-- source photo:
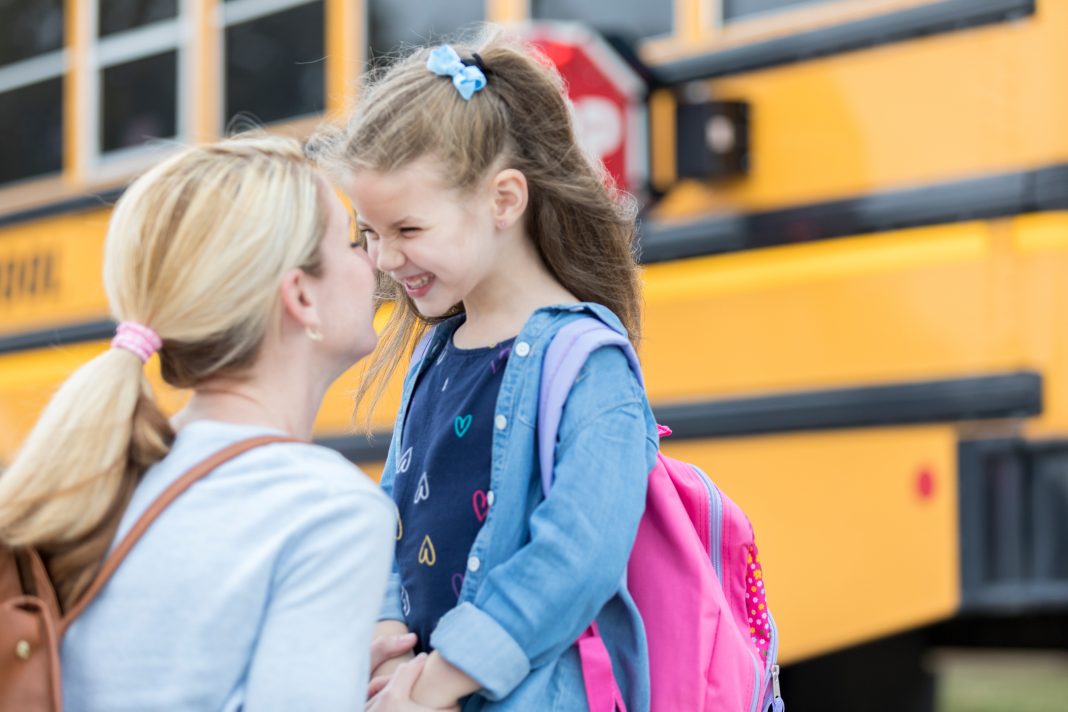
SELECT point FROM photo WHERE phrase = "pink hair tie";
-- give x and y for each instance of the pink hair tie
(138, 339)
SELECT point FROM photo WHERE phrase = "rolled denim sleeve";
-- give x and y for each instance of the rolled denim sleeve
(476, 643)
(391, 603)
(534, 605)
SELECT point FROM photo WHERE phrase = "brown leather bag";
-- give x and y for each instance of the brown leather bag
(31, 624)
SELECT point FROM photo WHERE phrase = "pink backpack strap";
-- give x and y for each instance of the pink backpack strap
(602, 692)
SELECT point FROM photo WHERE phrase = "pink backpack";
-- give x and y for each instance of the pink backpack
(694, 572)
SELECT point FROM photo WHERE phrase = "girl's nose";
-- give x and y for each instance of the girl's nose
(387, 257)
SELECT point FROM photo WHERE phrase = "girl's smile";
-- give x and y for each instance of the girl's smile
(417, 287)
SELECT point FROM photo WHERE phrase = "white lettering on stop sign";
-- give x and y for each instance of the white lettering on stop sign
(599, 126)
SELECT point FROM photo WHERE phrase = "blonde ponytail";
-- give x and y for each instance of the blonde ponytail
(77, 469)
(195, 250)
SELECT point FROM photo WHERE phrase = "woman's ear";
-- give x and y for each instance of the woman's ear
(509, 197)
(298, 300)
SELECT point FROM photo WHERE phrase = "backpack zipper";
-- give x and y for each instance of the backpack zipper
(715, 524)
(772, 666)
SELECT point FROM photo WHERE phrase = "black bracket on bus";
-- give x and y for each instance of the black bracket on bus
(712, 140)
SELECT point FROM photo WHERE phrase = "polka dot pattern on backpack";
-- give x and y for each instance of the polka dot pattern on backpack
(757, 604)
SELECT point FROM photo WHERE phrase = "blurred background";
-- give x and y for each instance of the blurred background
(855, 247)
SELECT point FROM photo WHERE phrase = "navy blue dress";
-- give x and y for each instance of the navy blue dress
(443, 479)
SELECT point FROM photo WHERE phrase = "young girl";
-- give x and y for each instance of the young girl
(489, 222)
(258, 587)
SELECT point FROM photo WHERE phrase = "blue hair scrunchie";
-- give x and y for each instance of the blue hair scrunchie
(467, 79)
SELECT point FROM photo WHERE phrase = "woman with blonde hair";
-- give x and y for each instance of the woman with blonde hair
(258, 587)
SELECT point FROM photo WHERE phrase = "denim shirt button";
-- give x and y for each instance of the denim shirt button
(490, 497)
(473, 564)
(522, 348)
(500, 422)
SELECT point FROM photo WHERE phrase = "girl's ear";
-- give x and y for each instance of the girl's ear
(509, 197)
(298, 299)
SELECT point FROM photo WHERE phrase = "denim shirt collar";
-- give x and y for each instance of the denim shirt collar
(533, 330)
(548, 318)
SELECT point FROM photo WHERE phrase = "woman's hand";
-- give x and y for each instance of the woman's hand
(396, 696)
(394, 649)
(388, 652)
(391, 646)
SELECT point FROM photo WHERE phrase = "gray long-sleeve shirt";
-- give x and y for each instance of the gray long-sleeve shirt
(257, 589)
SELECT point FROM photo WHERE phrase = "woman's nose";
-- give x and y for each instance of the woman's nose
(365, 255)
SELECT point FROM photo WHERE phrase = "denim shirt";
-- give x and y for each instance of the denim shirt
(541, 569)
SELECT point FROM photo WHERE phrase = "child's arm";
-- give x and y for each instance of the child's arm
(398, 694)
(441, 684)
(532, 607)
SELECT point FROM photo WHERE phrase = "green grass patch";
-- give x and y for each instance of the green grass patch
(1002, 681)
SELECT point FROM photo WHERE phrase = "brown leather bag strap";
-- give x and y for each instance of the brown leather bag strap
(196, 473)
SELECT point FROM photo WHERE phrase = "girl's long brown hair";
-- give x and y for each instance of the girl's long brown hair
(583, 227)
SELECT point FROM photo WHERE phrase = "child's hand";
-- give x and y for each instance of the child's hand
(396, 696)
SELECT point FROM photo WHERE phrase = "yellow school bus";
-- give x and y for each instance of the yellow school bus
(856, 271)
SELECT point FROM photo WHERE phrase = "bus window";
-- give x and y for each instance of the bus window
(393, 25)
(139, 101)
(118, 15)
(735, 9)
(29, 28)
(274, 65)
(136, 81)
(34, 113)
(630, 20)
(31, 88)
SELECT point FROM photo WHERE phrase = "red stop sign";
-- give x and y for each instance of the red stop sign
(609, 98)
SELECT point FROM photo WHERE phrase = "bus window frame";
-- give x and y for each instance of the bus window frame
(94, 54)
(238, 12)
(197, 34)
(680, 8)
(709, 31)
(24, 73)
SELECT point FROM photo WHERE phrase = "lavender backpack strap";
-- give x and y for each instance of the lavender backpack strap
(567, 353)
(420, 349)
